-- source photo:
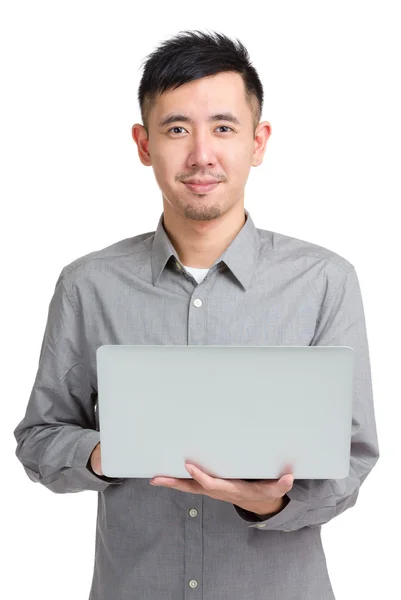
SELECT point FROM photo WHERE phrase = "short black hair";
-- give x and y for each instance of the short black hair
(190, 55)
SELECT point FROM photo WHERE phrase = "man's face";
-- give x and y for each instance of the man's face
(194, 147)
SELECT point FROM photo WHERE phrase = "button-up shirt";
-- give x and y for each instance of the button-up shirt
(156, 542)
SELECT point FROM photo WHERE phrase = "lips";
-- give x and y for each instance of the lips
(201, 181)
(202, 187)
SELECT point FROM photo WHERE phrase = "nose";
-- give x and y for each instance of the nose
(201, 153)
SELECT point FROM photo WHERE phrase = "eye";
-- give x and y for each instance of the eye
(176, 127)
(219, 127)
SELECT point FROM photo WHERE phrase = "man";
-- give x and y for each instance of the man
(207, 275)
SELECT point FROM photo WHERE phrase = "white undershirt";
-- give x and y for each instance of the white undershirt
(198, 274)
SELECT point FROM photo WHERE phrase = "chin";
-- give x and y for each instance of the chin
(202, 213)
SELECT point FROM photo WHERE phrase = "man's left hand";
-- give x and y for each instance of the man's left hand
(262, 496)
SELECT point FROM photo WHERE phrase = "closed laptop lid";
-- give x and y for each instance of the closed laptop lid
(235, 411)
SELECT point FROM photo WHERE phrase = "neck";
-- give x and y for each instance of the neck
(200, 243)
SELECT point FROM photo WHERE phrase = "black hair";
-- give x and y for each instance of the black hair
(190, 55)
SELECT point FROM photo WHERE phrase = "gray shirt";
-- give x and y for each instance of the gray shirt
(154, 542)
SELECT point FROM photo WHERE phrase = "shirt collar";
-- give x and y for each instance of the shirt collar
(240, 256)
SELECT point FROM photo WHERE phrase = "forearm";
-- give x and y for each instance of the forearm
(57, 457)
(314, 502)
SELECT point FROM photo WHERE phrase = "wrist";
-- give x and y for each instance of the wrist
(272, 508)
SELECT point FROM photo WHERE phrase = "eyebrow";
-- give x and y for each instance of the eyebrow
(173, 118)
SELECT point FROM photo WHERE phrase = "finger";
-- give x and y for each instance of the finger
(280, 486)
(181, 485)
(213, 485)
(287, 478)
(274, 488)
(286, 481)
(206, 481)
(164, 481)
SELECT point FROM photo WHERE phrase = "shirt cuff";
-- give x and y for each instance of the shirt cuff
(255, 518)
(281, 521)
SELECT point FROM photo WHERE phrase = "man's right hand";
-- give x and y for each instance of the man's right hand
(96, 460)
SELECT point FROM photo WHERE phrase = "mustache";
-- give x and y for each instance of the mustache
(216, 176)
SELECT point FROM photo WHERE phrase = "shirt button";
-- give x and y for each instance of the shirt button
(198, 303)
(193, 512)
(261, 525)
(193, 583)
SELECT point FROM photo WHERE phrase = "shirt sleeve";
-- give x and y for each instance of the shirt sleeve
(58, 432)
(314, 502)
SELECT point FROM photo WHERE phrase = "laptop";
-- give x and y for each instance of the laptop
(237, 412)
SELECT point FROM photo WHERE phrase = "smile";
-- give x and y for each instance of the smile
(195, 187)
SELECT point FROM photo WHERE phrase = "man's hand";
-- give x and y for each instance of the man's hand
(262, 496)
(96, 460)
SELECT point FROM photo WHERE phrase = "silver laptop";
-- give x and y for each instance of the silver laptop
(246, 412)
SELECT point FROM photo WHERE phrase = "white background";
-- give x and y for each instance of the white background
(72, 183)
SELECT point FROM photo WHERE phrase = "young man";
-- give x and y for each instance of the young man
(207, 275)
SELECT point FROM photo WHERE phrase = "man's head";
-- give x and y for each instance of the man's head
(201, 102)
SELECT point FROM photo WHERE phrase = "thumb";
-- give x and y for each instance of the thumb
(286, 482)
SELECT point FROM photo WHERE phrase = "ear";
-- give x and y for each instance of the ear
(140, 137)
(262, 134)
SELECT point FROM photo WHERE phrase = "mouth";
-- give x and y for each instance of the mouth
(202, 188)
